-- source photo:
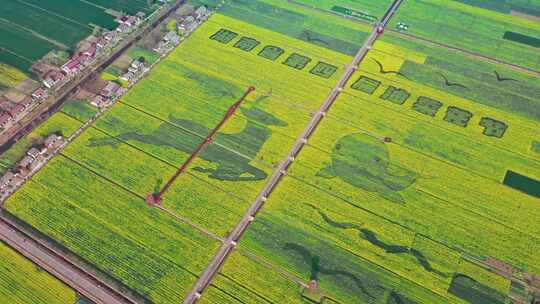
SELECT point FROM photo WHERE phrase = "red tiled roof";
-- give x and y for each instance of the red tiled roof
(4, 118)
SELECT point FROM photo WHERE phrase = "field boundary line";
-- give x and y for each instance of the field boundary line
(59, 265)
(407, 115)
(514, 66)
(262, 162)
(170, 164)
(355, 204)
(35, 34)
(213, 268)
(15, 54)
(124, 188)
(54, 14)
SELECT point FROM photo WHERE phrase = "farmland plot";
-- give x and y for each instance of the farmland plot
(321, 29)
(80, 11)
(46, 24)
(482, 82)
(471, 28)
(22, 282)
(244, 280)
(141, 173)
(341, 275)
(410, 189)
(150, 252)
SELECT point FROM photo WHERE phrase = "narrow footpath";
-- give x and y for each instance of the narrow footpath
(229, 244)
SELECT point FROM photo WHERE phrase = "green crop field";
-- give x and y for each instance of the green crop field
(31, 28)
(128, 6)
(236, 284)
(395, 199)
(149, 251)
(297, 21)
(471, 28)
(138, 144)
(22, 282)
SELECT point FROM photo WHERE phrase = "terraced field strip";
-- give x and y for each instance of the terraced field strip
(227, 247)
(60, 266)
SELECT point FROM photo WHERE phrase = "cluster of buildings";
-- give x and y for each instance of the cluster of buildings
(80, 61)
(135, 68)
(33, 160)
(107, 95)
(128, 23)
(186, 25)
(56, 77)
(15, 111)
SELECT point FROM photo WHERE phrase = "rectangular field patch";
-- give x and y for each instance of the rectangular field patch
(395, 95)
(247, 44)
(366, 85)
(297, 61)
(427, 106)
(271, 52)
(523, 39)
(323, 69)
(522, 183)
(457, 116)
(492, 127)
(224, 36)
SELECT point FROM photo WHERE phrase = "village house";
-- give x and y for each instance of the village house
(98, 101)
(109, 36)
(128, 76)
(101, 43)
(26, 102)
(6, 179)
(201, 12)
(33, 152)
(91, 51)
(26, 161)
(188, 24)
(16, 181)
(18, 109)
(140, 16)
(110, 89)
(35, 164)
(52, 79)
(4, 119)
(52, 141)
(122, 28)
(75, 64)
(159, 47)
(39, 94)
(172, 37)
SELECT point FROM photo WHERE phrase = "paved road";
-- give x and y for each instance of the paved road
(231, 241)
(59, 266)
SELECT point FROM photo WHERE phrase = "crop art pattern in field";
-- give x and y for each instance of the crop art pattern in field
(271, 52)
(366, 85)
(295, 60)
(323, 69)
(429, 106)
(364, 162)
(224, 36)
(247, 44)
(395, 95)
(458, 116)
